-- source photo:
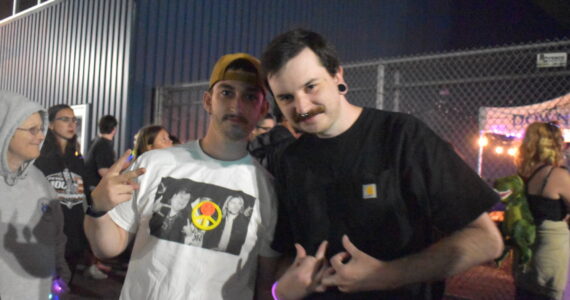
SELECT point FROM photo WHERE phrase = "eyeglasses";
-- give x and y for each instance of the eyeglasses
(67, 119)
(33, 130)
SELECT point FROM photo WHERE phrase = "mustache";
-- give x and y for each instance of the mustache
(313, 112)
(240, 118)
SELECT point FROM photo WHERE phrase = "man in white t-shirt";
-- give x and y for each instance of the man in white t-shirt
(195, 253)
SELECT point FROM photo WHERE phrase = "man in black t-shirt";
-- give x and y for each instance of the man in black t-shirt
(362, 192)
(101, 155)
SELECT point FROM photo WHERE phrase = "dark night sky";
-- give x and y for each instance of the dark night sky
(484, 23)
(388, 29)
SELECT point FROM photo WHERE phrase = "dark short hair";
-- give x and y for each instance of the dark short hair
(174, 186)
(242, 64)
(289, 44)
(107, 124)
(53, 110)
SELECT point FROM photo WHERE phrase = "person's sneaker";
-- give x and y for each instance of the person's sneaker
(95, 273)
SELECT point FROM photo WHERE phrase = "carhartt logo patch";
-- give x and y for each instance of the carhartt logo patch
(369, 191)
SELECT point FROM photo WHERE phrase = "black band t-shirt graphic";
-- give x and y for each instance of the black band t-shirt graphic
(66, 184)
(201, 214)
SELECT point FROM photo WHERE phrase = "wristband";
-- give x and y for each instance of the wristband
(274, 291)
(93, 213)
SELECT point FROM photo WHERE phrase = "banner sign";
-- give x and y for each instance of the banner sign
(512, 121)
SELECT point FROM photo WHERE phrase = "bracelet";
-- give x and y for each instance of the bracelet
(93, 213)
(274, 291)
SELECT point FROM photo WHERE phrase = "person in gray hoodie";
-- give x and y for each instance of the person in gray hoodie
(31, 222)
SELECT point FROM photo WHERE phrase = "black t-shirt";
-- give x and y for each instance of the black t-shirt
(65, 173)
(268, 147)
(386, 182)
(100, 156)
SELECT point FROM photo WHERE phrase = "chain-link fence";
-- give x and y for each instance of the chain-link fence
(179, 109)
(446, 91)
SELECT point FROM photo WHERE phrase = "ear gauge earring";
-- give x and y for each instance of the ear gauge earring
(342, 88)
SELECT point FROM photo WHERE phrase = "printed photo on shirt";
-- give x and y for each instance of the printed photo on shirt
(201, 215)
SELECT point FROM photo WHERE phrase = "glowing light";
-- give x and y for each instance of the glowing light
(497, 216)
(58, 287)
(566, 135)
(512, 151)
(499, 150)
(483, 141)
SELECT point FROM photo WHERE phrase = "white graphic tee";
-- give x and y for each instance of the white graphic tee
(200, 226)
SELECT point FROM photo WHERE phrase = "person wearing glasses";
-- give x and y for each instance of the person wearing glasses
(31, 220)
(62, 164)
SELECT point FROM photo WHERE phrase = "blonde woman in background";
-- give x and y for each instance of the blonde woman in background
(150, 138)
(539, 163)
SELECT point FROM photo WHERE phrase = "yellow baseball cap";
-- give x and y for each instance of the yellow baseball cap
(220, 72)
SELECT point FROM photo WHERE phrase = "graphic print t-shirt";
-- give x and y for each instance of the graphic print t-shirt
(200, 225)
(66, 177)
(201, 214)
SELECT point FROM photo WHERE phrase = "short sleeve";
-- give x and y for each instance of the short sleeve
(283, 239)
(268, 210)
(104, 158)
(125, 216)
(450, 191)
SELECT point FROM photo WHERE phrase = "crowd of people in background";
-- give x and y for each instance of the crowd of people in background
(348, 209)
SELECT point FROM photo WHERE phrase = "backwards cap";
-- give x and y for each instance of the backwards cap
(221, 72)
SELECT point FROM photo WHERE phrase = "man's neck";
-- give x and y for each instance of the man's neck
(348, 114)
(222, 148)
(108, 136)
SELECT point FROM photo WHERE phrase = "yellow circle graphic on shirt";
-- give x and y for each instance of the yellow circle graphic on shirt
(202, 215)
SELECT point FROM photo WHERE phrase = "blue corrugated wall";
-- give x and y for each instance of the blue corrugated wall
(73, 52)
(178, 41)
(113, 53)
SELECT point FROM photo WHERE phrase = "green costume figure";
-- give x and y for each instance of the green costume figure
(518, 227)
